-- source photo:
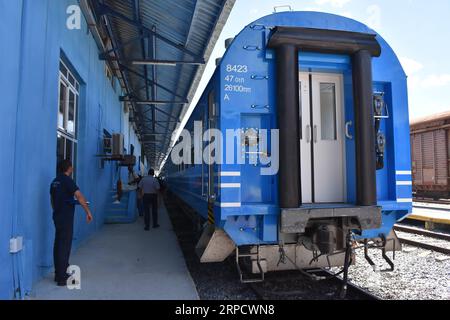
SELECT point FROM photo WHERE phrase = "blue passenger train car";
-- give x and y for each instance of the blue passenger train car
(319, 109)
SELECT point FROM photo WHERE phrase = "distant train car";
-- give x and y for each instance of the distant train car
(430, 138)
(336, 167)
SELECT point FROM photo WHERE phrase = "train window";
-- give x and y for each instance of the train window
(328, 111)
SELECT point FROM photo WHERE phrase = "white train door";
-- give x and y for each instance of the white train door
(322, 138)
(306, 138)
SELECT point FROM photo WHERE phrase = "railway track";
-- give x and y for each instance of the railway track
(278, 286)
(441, 201)
(354, 289)
(425, 245)
(325, 289)
(429, 240)
(422, 232)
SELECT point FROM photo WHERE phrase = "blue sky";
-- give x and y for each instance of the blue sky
(418, 31)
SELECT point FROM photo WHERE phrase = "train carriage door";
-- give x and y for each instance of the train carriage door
(328, 138)
(322, 143)
(305, 139)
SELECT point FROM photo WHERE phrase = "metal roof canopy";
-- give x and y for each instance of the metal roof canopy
(158, 50)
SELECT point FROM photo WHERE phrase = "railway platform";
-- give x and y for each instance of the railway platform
(123, 262)
(431, 214)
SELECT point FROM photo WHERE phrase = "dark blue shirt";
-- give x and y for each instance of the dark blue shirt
(62, 191)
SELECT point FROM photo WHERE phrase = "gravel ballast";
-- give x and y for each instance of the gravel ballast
(419, 274)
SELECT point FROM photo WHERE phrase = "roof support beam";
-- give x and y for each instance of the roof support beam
(135, 92)
(155, 62)
(163, 112)
(169, 63)
(150, 102)
(167, 114)
(106, 54)
(149, 81)
(166, 121)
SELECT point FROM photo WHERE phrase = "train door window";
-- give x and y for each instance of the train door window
(67, 121)
(328, 111)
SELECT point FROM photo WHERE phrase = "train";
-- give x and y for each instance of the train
(315, 107)
(430, 152)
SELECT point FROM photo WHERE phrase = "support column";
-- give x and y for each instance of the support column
(288, 122)
(364, 129)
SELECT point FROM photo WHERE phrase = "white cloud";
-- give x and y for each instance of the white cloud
(347, 14)
(411, 66)
(316, 9)
(374, 17)
(435, 80)
(414, 82)
(333, 3)
(430, 81)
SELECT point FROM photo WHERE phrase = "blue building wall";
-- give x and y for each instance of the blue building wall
(33, 37)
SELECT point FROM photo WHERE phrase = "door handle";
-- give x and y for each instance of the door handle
(347, 130)
(315, 134)
(308, 133)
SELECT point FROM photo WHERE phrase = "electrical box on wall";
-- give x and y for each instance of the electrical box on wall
(128, 160)
(117, 144)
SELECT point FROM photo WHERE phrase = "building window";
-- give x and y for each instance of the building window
(69, 93)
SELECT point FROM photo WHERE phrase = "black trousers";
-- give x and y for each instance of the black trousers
(150, 201)
(63, 243)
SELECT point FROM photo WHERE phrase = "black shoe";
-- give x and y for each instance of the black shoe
(147, 228)
(56, 279)
(61, 283)
(156, 227)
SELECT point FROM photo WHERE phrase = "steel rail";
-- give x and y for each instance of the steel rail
(426, 246)
(422, 232)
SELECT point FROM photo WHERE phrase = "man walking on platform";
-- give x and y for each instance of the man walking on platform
(149, 186)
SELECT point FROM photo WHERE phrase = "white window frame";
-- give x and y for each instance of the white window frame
(62, 131)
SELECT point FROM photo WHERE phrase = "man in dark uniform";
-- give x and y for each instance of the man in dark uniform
(63, 192)
(149, 186)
